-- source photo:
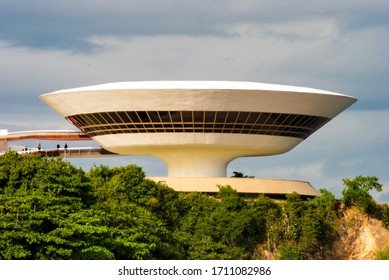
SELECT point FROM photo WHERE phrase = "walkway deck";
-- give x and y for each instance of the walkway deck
(71, 152)
(65, 135)
(51, 135)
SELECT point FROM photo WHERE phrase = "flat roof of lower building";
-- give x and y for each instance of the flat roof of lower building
(241, 185)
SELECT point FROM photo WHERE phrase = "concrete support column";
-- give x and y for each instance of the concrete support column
(3, 144)
(196, 163)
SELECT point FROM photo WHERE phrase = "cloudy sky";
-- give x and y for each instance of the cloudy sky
(339, 46)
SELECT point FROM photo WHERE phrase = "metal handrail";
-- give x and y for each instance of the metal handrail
(68, 152)
(45, 135)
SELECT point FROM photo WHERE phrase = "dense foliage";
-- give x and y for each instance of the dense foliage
(51, 210)
(383, 254)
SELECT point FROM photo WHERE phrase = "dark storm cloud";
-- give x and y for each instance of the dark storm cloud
(67, 24)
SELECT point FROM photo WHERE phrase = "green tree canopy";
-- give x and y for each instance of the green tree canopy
(356, 192)
(51, 210)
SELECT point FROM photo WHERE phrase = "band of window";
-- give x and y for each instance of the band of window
(277, 124)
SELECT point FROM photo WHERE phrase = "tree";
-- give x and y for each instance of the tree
(356, 192)
(272, 221)
(37, 196)
(238, 174)
(291, 252)
(137, 211)
(309, 226)
(129, 183)
(51, 210)
(383, 254)
(325, 210)
(364, 183)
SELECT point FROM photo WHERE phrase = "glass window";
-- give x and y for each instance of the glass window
(154, 116)
(77, 120)
(299, 120)
(91, 119)
(291, 125)
(247, 126)
(288, 119)
(231, 117)
(252, 118)
(242, 117)
(198, 116)
(220, 117)
(281, 118)
(263, 118)
(130, 126)
(175, 116)
(148, 125)
(177, 125)
(107, 118)
(143, 116)
(165, 117)
(208, 125)
(304, 121)
(186, 116)
(124, 117)
(313, 122)
(272, 118)
(99, 118)
(134, 117)
(209, 116)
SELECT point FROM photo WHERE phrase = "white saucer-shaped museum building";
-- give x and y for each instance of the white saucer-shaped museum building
(197, 127)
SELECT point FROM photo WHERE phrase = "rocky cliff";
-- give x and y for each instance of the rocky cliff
(360, 236)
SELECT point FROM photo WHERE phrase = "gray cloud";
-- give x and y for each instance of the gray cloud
(67, 25)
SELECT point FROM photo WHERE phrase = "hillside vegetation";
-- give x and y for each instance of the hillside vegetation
(49, 209)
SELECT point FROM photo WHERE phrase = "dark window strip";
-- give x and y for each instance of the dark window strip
(292, 125)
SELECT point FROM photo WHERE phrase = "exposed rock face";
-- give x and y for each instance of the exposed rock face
(360, 237)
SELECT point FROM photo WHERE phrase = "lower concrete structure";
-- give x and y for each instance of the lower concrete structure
(245, 186)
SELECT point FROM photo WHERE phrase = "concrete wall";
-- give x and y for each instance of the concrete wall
(3, 144)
